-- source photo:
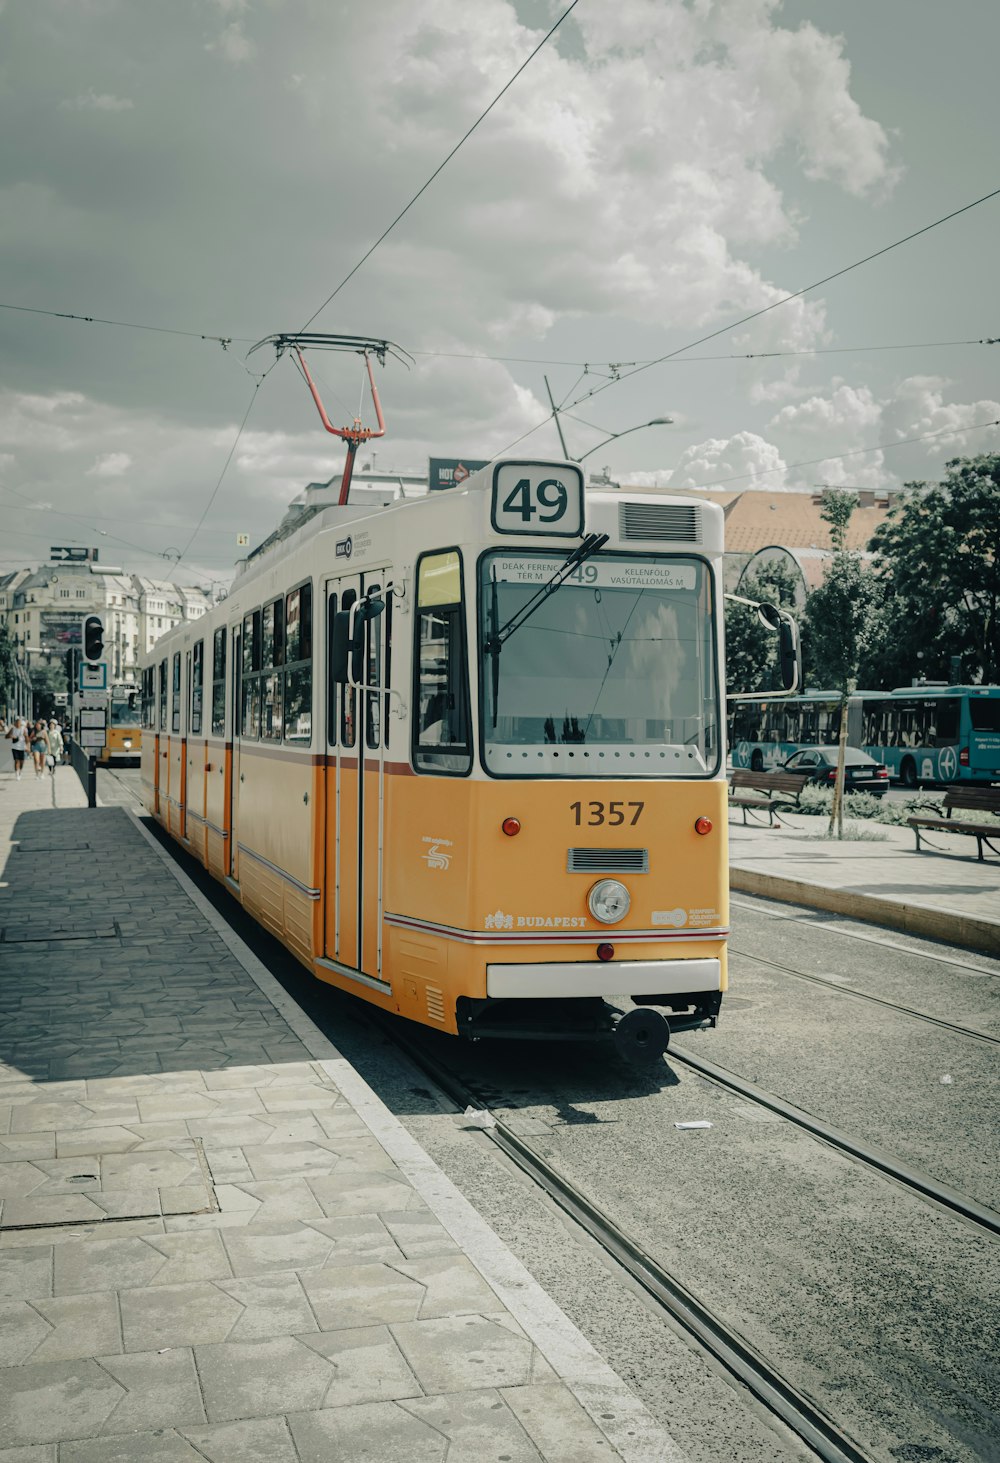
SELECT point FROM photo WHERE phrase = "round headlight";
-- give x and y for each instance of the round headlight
(609, 901)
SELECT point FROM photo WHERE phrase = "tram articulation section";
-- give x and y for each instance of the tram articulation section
(464, 755)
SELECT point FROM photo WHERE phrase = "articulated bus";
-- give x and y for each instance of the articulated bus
(463, 755)
(923, 734)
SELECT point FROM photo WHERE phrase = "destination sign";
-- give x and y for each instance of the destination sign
(599, 572)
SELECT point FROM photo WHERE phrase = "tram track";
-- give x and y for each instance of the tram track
(814, 922)
(872, 1157)
(669, 1295)
(834, 985)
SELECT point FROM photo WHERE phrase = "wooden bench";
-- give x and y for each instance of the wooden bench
(765, 792)
(984, 800)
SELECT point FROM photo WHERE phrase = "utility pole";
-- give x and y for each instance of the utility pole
(555, 413)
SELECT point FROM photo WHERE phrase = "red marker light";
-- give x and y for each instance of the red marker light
(511, 826)
(605, 952)
(703, 825)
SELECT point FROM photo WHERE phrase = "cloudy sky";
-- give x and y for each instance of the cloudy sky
(661, 169)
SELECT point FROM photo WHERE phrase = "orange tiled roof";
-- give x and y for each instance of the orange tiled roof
(756, 519)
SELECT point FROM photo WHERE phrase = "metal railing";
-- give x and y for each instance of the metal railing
(86, 770)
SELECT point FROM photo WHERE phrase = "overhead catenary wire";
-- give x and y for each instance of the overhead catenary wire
(795, 295)
(755, 315)
(441, 166)
(591, 366)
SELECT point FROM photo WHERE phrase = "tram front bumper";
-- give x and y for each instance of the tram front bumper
(603, 978)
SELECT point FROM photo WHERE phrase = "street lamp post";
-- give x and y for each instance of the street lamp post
(656, 422)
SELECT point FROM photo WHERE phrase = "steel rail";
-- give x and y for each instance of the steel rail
(865, 996)
(877, 1158)
(735, 1354)
(807, 916)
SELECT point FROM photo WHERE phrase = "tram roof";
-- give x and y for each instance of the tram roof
(447, 517)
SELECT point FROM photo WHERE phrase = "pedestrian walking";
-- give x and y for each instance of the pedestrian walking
(17, 735)
(55, 746)
(39, 746)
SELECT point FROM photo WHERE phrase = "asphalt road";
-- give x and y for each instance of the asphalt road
(876, 1303)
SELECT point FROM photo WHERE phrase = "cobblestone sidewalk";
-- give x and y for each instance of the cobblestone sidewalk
(215, 1242)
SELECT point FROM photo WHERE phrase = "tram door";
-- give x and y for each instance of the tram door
(355, 788)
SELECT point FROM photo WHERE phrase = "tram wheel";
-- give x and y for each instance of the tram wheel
(908, 773)
(757, 760)
(642, 1036)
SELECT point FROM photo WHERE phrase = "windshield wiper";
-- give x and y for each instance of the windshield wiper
(498, 635)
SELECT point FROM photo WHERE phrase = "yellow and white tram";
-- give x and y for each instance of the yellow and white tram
(465, 755)
(124, 733)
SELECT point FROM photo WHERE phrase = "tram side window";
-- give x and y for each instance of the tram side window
(272, 655)
(442, 740)
(197, 685)
(298, 666)
(163, 695)
(219, 683)
(349, 696)
(250, 710)
(373, 673)
(149, 698)
(175, 704)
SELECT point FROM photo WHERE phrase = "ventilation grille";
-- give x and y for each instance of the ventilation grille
(678, 521)
(435, 1003)
(608, 861)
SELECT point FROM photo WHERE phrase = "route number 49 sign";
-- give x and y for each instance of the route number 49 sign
(538, 498)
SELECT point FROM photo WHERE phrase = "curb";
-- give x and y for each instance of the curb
(908, 919)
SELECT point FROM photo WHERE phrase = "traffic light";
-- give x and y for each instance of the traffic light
(93, 638)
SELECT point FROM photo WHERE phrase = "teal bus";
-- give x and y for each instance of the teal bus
(922, 734)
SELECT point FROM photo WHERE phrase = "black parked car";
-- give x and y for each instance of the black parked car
(861, 772)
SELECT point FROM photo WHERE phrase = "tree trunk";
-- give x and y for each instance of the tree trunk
(837, 806)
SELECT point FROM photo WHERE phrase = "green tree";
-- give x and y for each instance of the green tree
(841, 618)
(751, 649)
(8, 663)
(47, 678)
(937, 556)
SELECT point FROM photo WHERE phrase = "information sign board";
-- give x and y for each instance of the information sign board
(91, 698)
(91, 738)
(93, 718)
(93, 675)
(450, 472)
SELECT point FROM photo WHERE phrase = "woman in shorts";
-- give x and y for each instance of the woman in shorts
(39, 746)
(18, 738)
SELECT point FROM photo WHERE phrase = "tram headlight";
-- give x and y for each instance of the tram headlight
(609, 901)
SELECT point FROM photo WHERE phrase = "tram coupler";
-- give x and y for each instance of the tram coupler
(687, 1013)
(641, 1036)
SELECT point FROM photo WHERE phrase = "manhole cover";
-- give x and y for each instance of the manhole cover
(88, 1188)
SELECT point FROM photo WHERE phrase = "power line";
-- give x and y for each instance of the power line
(797, 294)
(218, 485)
(223, 340)
(402, 214)
(734, 325)
(855, 452)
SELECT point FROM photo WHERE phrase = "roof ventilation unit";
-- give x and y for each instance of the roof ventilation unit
(680, 522)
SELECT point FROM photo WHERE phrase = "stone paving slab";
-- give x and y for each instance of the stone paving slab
(215, 1242)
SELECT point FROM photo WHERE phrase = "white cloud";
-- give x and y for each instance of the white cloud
(233, 45)
(848, 411)
(918, 408)
(110, 465)
(92, 101)
(746, 457)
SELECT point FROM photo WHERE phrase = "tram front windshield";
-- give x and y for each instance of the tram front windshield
(124, 708)
(613, 674)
